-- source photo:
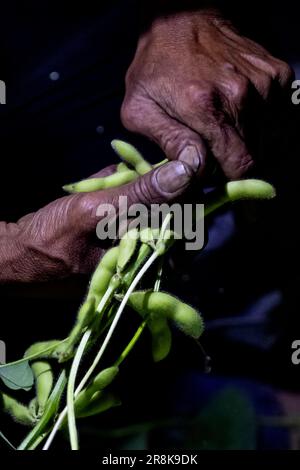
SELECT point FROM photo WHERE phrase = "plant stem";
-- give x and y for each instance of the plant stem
(131, 344)
(70, 390)
(107, 296)
(159, 275)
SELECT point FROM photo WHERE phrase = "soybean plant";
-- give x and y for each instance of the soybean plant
(112, 287)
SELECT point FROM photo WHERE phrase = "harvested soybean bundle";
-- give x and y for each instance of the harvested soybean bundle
(186, 318)
(97, 184)
(132, 156)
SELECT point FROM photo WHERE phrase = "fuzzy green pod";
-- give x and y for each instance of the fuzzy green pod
(103, 274)
(132, 156)
(127, 248)
(43, 374)
(121, 167)
(161, 337)
(238, 190)
(100, 402)
(19, 412)
(162, 304)
(85, 315)
(149, 236)
(44, 349)
(99, 383)
(96, 184)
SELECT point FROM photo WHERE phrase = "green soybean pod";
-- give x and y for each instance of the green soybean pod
(238, 190)
(85, 315)
(121, 167)
(103, 274)
(131, 155)
(43, 374)
(99, 383)
(97, 184)
(149, 236)
(127, 248)
(161, 337)
(100, 402)
(183, 315)
(45, 349)
(19, 412)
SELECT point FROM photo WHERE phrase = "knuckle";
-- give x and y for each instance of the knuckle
(241, 166)
(84, 208)
(239, 88)
(285, 73)
(128, 113)
(264, 83)
(199, 94)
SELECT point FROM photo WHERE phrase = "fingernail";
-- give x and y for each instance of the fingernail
(173, 176)
(191, 156)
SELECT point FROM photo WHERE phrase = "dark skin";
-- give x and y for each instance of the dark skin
(186, 89)
(189, 86)
(60, 240)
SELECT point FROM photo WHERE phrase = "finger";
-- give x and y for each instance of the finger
(176, 140)
(163, 184)
(201, 108)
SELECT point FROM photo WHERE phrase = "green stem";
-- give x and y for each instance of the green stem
(70, 390)
(105, 299)
(131, 344)
(87, 376)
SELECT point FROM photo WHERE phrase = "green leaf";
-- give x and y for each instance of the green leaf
(7, 441)
(17, 377)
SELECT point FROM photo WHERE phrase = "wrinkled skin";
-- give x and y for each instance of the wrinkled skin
(60, 239)
(189, 85)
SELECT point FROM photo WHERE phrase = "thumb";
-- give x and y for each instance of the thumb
(160, 185)
(163, 184)
(177, 141)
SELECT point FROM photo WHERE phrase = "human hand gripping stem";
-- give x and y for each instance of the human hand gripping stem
(60, 240)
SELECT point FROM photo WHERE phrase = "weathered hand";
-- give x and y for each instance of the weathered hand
(189, 84)
(60, 239)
